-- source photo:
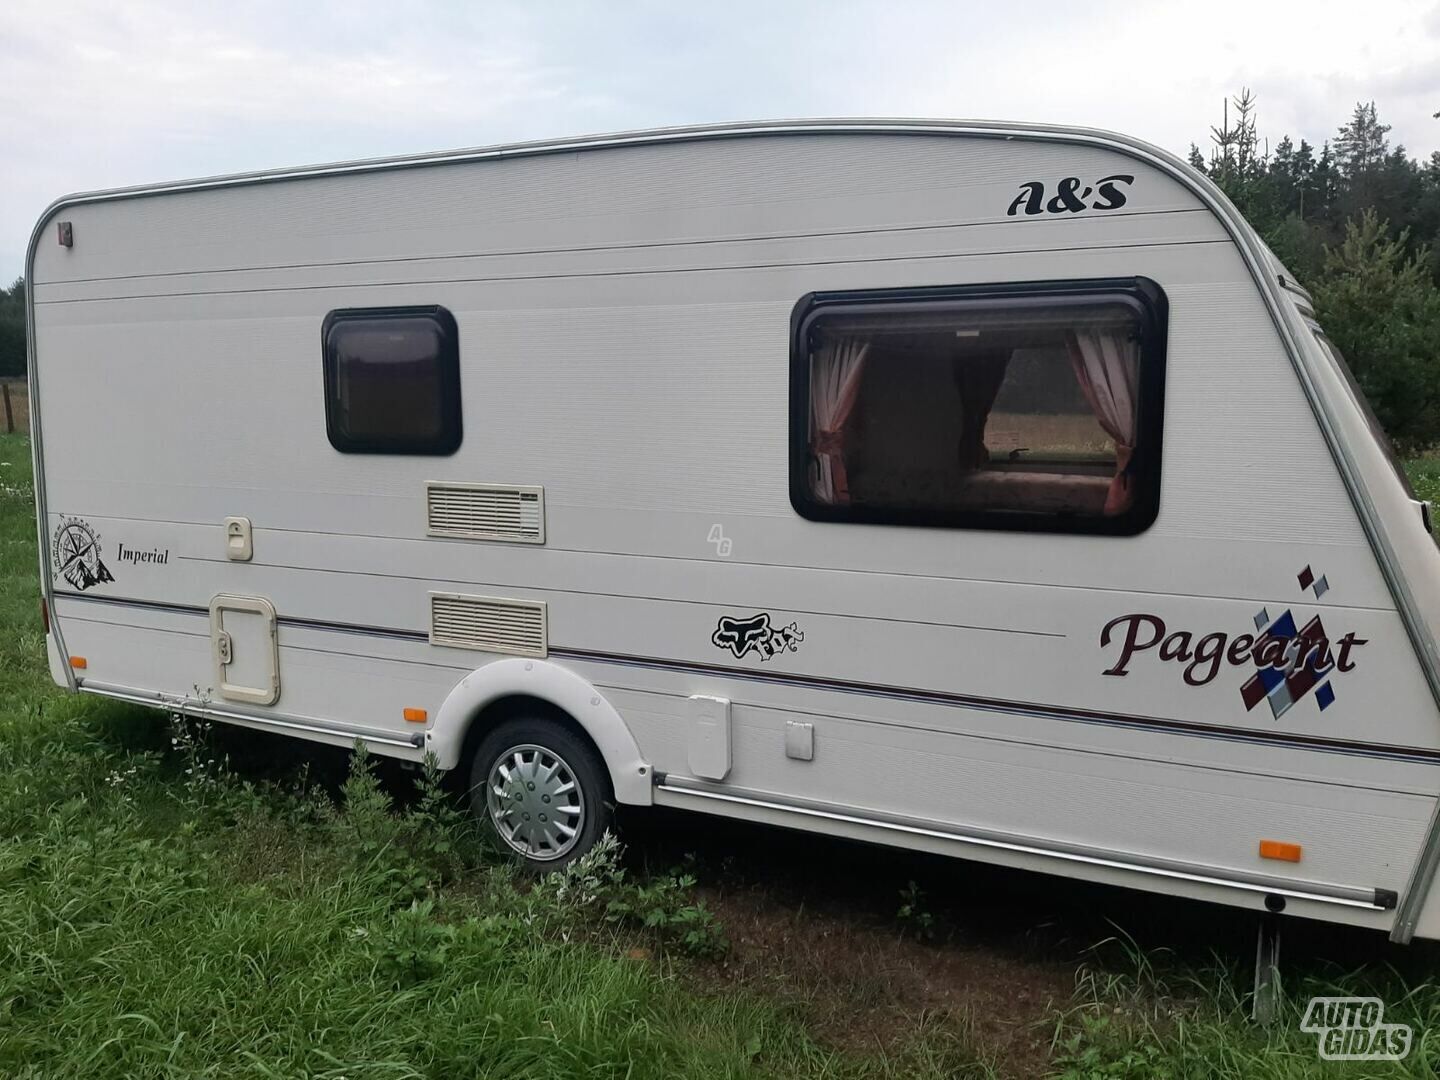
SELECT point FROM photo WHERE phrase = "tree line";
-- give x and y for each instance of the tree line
(1356, 219)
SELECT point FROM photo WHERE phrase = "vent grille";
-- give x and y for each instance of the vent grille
(486, 512)
(489, 623)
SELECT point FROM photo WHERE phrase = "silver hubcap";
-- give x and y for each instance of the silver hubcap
(535, 802)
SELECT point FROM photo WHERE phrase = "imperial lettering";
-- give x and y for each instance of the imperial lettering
(154, 555)
(1203, 655)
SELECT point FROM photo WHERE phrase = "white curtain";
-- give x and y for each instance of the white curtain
(835, 370)
(1107, 366)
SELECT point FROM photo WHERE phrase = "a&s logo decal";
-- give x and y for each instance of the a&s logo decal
(755, 634)
(77, 554)
(1071, 196)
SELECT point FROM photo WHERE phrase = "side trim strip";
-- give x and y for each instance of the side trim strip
(191, 707)
(283, 620)
(1322, 892)
(1132, 721)
(135, 602)
(1022, 708)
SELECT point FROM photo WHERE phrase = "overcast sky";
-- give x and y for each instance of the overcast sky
(103, 93)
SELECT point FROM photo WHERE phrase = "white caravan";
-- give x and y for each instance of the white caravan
(978, 488)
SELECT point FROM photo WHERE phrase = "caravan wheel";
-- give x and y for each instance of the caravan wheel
(542, 789)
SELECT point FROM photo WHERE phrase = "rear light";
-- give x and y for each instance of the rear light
(45, 615)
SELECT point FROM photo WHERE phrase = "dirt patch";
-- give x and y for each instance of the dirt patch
(818, 923)
(990, 953)
(862, 983)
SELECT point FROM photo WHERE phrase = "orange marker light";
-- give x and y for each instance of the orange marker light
(416, 716)
(78, 663)
(1277, 849)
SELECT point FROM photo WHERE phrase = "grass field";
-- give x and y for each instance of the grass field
(163, 916)
(166, 914)
(1424, 473)
(1066, 432)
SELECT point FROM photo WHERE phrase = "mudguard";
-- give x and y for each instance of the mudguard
(630, 774)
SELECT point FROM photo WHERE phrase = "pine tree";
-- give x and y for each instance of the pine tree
(1425, 216)
(1304, 177)
(1361, 151)
(1379, 306)
(1361, 145)
(1325, 181)
(1235, 160)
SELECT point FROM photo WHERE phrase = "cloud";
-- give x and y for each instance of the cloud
(101, 94)
(144, 92)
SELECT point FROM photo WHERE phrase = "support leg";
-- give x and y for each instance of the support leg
(1267, 970)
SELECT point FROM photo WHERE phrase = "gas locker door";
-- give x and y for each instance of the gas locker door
(246, 649)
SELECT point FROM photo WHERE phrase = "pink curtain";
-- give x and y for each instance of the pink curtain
(1107, 366)
(978, 377)
(835, 371)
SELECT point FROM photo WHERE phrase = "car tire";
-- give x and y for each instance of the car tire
(542, 790)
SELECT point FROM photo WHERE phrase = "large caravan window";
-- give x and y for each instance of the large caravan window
(392, 381)
(1016, 407)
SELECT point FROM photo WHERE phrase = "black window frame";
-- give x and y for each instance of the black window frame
(452, 431)
(1141, 294)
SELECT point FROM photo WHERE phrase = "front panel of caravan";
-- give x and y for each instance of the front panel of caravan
(625, 326)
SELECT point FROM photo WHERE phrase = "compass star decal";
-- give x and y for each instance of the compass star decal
(77, 555)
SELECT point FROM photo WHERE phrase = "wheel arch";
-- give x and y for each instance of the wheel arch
(501, 689)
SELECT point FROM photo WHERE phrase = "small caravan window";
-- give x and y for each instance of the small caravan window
(392, 381)
(1033, 406)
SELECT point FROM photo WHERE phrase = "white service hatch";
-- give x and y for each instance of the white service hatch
(246, 647)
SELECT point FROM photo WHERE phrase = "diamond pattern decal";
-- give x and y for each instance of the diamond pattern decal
(1285, 673)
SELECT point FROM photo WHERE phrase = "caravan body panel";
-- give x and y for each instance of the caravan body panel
(626, 317)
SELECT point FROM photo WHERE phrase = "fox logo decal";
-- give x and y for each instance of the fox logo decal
(755, 634)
